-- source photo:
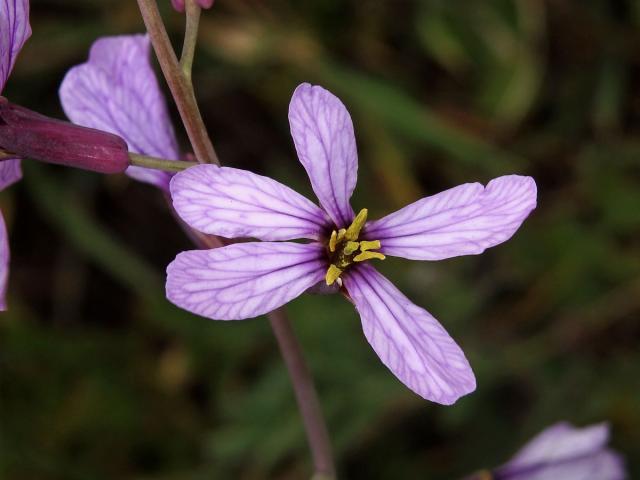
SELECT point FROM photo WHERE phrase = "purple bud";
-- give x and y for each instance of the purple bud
(179, 4)
(27, 134)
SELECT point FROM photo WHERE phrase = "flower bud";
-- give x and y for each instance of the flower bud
(179, 4)
(27, 134)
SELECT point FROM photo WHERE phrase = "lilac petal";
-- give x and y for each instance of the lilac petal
(323, 135)
(14, 31)
(117, 91)
(243, 280)
(464, 220)
(408, 340)
(10, 172)
(602, 465)
(4, 263)
(235, 203)
(560, 442)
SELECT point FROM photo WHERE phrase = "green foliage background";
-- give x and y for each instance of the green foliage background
(101, 378)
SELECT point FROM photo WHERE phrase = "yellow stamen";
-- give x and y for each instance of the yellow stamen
(369, 245)
(351, 247)
(354, 229)
(333, 241)
(333, 273)
(368, 256)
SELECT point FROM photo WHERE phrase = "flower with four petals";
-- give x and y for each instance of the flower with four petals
(244, 280)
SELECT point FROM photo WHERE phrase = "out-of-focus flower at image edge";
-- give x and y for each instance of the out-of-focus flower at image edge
(562, 452)
(249, 279)
(117, 91)
(179, 4)
(14, 31)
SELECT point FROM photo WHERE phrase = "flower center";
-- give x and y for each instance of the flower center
(345, 249)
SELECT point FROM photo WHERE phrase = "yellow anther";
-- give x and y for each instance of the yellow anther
(369, 245)
(368, 256)
(351, 247)
(333, 273)
(332, 241)
(354, 229)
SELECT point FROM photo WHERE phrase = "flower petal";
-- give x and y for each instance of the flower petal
(117, 91)
(236, 203)
(243, 280)
(602, 465)
(14, 31)
(560, 442)
(408, 340)
(4, 263)
(10, 172)
(323, 135)
(464, 220)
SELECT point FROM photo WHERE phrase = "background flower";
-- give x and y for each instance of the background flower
(179, 4)
(14, 31)
(117, 91)
(565, 452)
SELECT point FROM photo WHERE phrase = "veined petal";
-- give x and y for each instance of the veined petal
(10, 173)
(117, 91)
(236, 203)
(463, 220)
(322, 131)
(563, 451)
(602, 465)
(14, 31)
(560, 442)
(243, 280)
(408, 340)
(4, 263)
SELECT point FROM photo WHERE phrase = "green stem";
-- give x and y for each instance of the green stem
(178, 78)
(192, 10)
(159, 163)
(180, 86)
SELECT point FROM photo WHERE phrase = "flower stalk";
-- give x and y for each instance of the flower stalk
(178, 77)
(180, 85)
(192, 19)
(158, 163)
(306, 395)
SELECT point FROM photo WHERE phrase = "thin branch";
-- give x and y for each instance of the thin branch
(192, 15)
(158, 163)
(306, 395)
(182, 90)
(180, 86)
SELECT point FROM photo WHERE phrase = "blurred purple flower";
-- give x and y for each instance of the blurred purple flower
(14, 31)
(117, 91)
(179, 4)
(563, 452)
(249, 279)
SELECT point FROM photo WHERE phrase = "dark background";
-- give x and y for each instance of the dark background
(102, 378)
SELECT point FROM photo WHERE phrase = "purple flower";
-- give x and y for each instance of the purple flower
(249, 279)
(117, 91)
(564, 452)
(179, 4)
(14, 31)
